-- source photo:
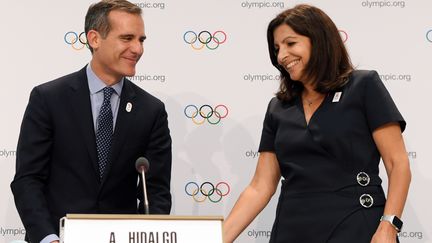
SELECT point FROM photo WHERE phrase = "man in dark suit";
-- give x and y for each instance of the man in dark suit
(82, 133)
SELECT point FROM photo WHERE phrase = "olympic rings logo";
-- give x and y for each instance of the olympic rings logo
(207, 190)
(77, 42)
(343, 35)
(206, 112)
(429, 35)
(205, 38)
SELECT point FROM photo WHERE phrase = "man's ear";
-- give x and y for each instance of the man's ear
(94, 39)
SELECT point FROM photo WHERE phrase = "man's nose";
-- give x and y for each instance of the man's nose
(137, 47)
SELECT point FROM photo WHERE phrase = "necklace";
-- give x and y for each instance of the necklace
(309, 102)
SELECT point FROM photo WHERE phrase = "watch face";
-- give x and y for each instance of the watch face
(398, 223)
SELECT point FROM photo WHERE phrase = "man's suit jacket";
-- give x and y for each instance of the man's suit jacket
(57, 168)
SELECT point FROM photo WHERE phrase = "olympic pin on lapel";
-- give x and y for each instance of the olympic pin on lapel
(129, 107)
(337, 97)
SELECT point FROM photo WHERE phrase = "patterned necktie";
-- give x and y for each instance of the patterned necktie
(104, 131)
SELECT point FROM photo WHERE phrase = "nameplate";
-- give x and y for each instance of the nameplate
(82, 228)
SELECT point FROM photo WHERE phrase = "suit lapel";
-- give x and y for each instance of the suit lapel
(125, 116)
(79, 97)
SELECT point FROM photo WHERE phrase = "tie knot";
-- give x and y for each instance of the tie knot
(108, 91)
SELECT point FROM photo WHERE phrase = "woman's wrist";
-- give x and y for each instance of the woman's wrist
(387, 227)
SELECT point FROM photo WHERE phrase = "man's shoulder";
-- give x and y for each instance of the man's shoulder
(62, 82)
(142, 94)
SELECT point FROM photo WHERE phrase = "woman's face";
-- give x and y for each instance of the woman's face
(293, 51)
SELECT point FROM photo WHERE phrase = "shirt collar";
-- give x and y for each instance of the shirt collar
(96, 84)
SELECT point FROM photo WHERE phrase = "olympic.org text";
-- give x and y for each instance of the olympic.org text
(383, 4)
(411, 234)
(252, 154)
(262, 233)
(160, 5)
(260, 77)
(262, 4)
(12, 231)
(395, 77)
(259, 233)
(146, 77)
(7, 153)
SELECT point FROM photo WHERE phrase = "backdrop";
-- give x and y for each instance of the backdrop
(231, 75)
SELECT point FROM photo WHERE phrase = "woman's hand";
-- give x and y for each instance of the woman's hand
(385, 233)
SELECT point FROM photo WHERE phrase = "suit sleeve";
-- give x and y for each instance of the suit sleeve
(32, 168)
(159, 176)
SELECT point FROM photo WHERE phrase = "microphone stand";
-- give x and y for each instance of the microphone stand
(146, 204)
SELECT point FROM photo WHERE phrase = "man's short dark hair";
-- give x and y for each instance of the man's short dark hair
(97, 15)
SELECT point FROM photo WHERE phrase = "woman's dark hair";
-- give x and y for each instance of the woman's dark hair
(329, 65)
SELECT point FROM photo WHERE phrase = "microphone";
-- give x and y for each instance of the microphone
(142, 165)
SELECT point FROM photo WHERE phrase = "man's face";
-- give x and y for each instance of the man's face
(116, 55)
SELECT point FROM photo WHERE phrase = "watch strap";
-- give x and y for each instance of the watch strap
(393, 220)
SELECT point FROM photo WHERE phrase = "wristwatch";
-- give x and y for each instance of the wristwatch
(394, 220)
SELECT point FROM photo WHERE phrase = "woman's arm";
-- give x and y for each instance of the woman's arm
(389, 141)
(255, 197)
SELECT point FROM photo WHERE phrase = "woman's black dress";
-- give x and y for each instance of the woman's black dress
(331, 190)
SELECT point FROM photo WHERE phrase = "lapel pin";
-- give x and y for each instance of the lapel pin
(337, 97)
(128, 107)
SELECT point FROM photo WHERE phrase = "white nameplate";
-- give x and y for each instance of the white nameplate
(140, 229)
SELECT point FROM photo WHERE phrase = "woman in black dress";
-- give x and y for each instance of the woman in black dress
(325, 133)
